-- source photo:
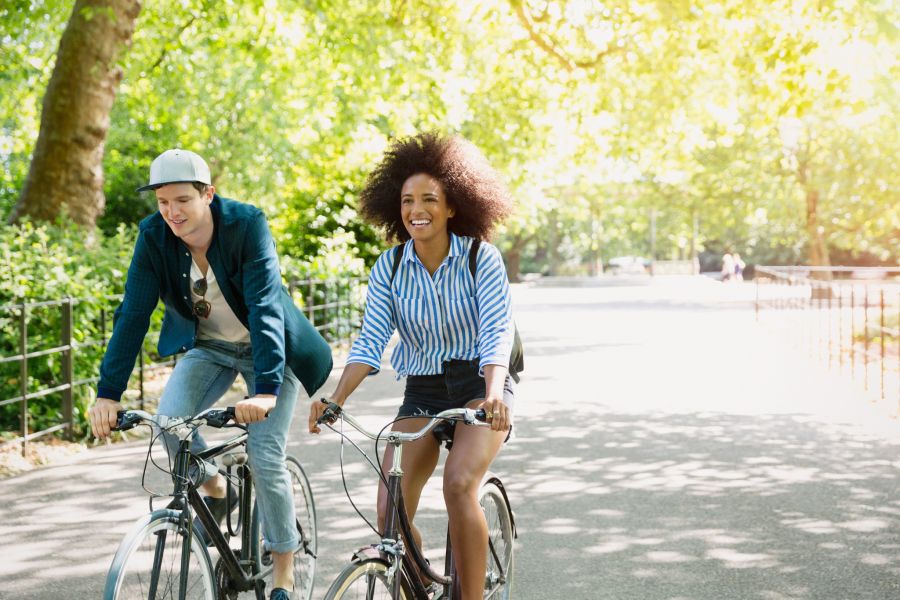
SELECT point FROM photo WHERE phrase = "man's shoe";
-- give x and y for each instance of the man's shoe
(219, 507)
(280, 594)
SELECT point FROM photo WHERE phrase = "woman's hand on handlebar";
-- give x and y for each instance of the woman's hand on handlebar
(498, 414)
(316, 410)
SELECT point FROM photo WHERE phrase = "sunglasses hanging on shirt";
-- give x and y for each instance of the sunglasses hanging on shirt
(202, 307)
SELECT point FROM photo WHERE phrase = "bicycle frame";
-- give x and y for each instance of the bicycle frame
(392, 548)
(397, 522)
(185, 493)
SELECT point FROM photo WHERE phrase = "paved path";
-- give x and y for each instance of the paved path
(668, 448)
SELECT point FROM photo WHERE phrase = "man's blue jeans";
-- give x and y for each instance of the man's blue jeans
(199, 379)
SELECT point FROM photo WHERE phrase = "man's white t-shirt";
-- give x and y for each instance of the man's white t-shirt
(222, 323)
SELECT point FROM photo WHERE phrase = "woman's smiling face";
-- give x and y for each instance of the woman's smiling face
(424, 208)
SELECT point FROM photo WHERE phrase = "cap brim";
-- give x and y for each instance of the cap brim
(153, 186)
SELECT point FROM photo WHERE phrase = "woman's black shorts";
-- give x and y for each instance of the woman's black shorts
(458, 385)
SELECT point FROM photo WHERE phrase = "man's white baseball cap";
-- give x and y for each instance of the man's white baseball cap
(177, 166)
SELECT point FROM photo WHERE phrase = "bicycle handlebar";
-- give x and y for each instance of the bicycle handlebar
(469, 416)
(214, 417)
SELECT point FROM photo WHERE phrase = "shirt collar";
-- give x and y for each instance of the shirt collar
(458, 247)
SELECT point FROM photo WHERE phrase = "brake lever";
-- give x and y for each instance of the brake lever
(124, 422)
(331, 414)
(219, 418)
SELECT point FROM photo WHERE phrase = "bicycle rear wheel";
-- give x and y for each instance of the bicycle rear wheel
(305, 557)
(499, 575)
(365, 580)
(150, 557)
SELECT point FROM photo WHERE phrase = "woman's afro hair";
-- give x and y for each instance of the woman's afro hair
(472, 187)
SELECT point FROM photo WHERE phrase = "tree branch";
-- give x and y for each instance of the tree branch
(165, 50)
(525, 17)
(548, 45)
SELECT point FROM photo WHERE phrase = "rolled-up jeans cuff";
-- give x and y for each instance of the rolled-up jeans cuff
(282, 547)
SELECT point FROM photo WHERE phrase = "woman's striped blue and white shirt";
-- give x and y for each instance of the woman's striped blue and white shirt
(438, 317)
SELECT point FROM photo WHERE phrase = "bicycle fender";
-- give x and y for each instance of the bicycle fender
(492, 478)
(368, 552)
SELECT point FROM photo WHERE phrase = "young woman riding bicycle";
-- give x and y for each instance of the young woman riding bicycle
(438, 195)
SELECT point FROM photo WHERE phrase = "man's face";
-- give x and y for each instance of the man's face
(184, 209)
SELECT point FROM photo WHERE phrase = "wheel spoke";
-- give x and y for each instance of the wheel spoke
(148, 565)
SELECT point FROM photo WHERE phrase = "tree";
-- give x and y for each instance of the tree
(66, 172)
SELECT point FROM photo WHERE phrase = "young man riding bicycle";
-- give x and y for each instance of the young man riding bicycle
(212, 262)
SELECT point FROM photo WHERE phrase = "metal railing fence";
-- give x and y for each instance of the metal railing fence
(847, 317)
(43, 353)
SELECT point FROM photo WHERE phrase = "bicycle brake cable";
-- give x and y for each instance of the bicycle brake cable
(343, 475)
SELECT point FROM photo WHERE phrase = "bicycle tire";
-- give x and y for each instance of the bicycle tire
(501, 539)
(130, 574)
(305, 557)
(365, 580)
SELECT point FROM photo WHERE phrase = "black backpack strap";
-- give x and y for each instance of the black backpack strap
(473, 260)
(398, 254)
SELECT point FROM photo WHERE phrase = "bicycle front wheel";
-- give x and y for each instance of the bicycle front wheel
(365, 580)
(499, 576)
(148, 563)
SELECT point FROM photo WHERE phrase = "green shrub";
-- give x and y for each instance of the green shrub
(46, 264)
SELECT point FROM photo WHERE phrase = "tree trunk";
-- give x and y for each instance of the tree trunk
(818, 250)
(513, 256)
(66, 172)
(553, 255)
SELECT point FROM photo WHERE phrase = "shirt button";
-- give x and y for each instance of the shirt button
(184, 274)
(186, 254)
(185, 297)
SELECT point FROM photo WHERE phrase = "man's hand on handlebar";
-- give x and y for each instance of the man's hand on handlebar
(102, 415)
(257, 408)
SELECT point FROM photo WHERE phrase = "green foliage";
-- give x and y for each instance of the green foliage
(611, 109)
(29, 34)
(51, 263)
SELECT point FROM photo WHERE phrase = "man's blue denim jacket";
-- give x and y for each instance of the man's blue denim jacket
(242, 256)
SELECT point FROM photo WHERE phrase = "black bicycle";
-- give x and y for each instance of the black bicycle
(164, 557)
(391, 567)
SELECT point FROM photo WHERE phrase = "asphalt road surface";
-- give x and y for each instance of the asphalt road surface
(668, 447)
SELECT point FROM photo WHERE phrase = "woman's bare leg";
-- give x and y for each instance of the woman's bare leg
(473, 450)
